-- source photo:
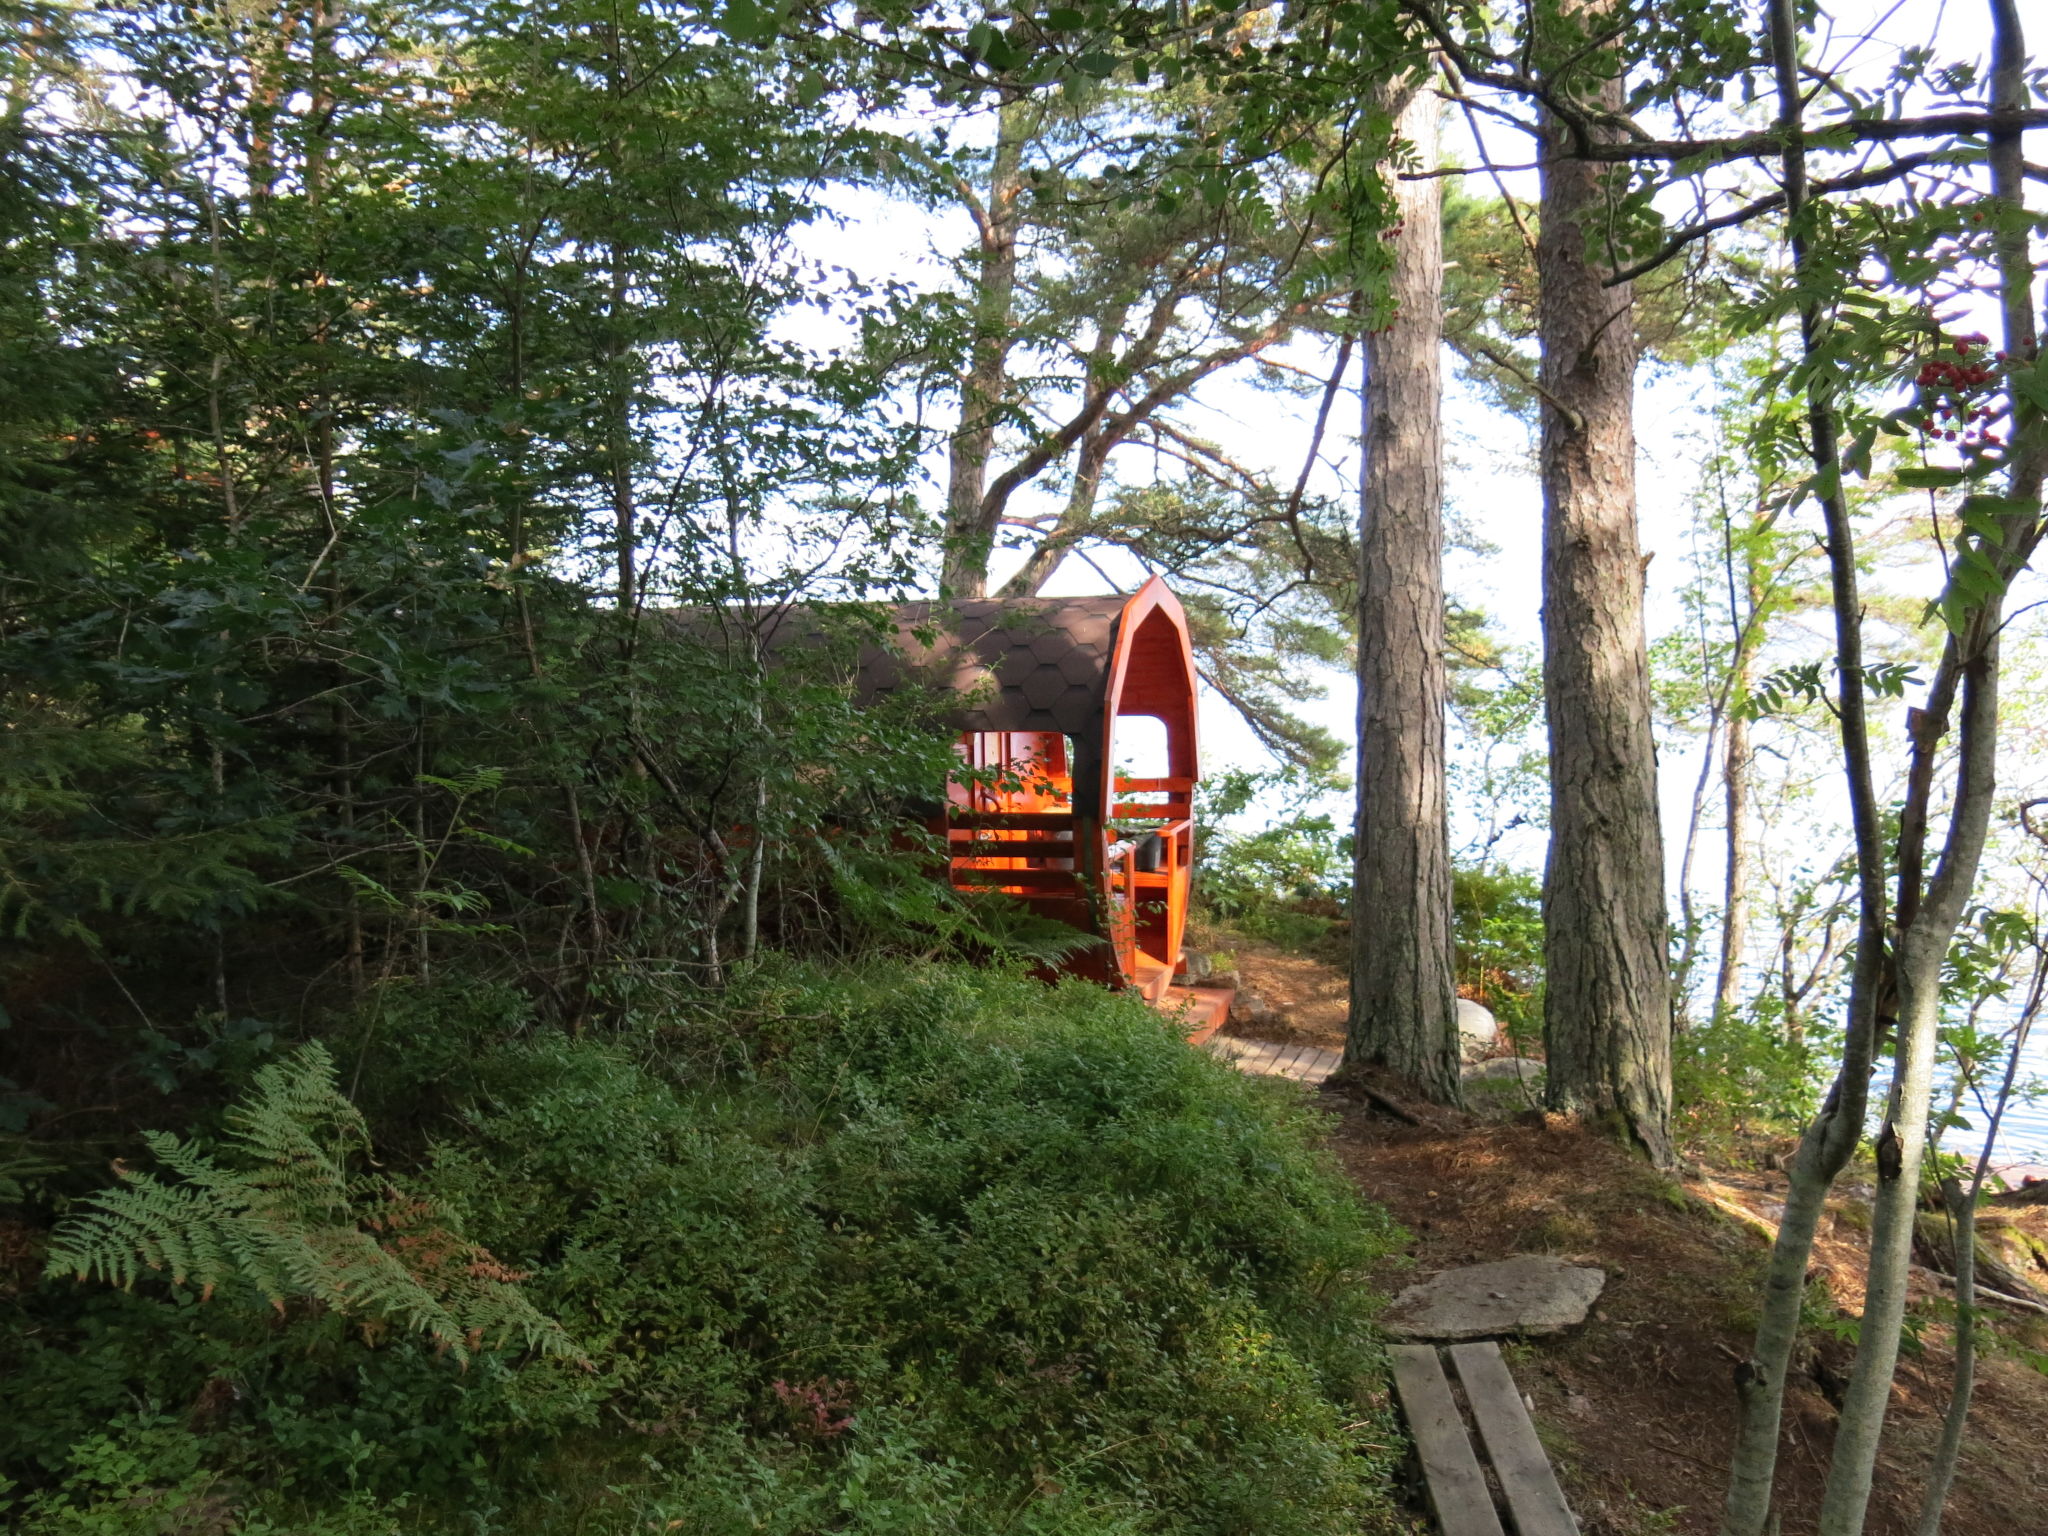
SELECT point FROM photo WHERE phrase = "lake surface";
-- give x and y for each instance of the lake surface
(2023, 1137)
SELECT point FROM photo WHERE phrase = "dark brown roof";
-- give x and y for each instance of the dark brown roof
(1022, 664)
(1026, 664)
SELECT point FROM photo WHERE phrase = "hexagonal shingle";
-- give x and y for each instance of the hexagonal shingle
(1044, 687)
(1052, 645)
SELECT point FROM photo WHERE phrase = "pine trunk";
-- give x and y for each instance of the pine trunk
(970, 532)
(1607, 1012)
(1403, 997)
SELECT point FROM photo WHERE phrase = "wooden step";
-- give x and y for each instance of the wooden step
(969, 874)
(1049, 821)
(1201, 1010)
(1020, 848)
(1535, 1503)
(1457, 1487)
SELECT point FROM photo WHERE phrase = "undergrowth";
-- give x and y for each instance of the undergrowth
(887, 1249)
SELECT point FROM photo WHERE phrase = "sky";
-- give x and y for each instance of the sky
(1490, 480)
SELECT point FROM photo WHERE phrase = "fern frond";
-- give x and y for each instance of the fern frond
(289, 1222)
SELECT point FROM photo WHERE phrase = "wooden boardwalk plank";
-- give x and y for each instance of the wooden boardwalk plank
(1299, 1063)
(1535, 1503)
(1457, 1489)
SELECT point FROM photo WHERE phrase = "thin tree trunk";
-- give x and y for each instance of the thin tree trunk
(1926, 935)
(1607, 1010)
(970, 535)
(1826, 1145)
(1688, 917)
(1735, 765)
(1075, 516)
(1962, 1209)
(1403, 991)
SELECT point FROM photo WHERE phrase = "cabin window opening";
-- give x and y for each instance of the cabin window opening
(1142, 749)
(1014, 771)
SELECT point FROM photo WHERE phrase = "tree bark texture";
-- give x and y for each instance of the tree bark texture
(1607, 1012)
(1403, 992)
(970, 534)
(1735, 885)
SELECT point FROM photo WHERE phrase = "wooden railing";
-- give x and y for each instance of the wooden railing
(1010, 851)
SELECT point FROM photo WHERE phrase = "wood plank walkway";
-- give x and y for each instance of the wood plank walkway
(1267, 1058)
(1457, 1488)
(1458, 1491)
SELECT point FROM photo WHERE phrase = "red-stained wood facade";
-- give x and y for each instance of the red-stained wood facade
(1041, 811)
(1047, 696)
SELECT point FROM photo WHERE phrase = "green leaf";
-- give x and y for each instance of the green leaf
(1999, 506)
(1856, 457)
(745, 21)
(1063, 19)
(1929, 477)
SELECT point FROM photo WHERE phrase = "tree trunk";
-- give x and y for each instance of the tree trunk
(1928, 920)
(1403, 996)
(1735, 886)
(1828, 1141)
(1688, 917)
(1607, 1011)
(970, 534)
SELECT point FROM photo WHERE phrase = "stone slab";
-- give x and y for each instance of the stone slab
(1504, 1069)
(1531, 1295)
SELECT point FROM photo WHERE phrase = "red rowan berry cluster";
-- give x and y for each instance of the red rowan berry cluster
(1954, 395)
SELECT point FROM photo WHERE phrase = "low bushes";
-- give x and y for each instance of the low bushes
(882, 1249)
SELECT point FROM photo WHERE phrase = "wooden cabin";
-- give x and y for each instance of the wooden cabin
(1061, 699)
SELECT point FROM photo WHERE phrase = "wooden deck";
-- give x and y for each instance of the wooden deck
(1201, 1010)
(1267, 1058)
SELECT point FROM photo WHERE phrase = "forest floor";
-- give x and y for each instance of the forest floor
(1637, 1407)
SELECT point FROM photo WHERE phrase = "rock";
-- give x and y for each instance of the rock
(1508, 1069)
(1476, 1029)
(1533, 1294)
(1199, 965)
(1251, 1008)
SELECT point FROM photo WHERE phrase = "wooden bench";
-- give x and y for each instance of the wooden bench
(1458, 1491)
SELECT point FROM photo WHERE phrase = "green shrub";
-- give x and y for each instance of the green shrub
(883, 1249)
(1738, 1075)
(1497, 928)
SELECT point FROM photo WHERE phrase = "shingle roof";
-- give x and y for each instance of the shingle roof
(1021, 664)
(1028, 664)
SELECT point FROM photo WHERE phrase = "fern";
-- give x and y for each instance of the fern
(281, 1214)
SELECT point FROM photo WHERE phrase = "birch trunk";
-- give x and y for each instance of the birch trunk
(1607, 1011)
(1403, 994)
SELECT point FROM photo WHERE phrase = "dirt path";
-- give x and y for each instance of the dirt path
(1637, 1407)
(1308, 999)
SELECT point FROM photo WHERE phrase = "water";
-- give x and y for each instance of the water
(2023, 1135)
